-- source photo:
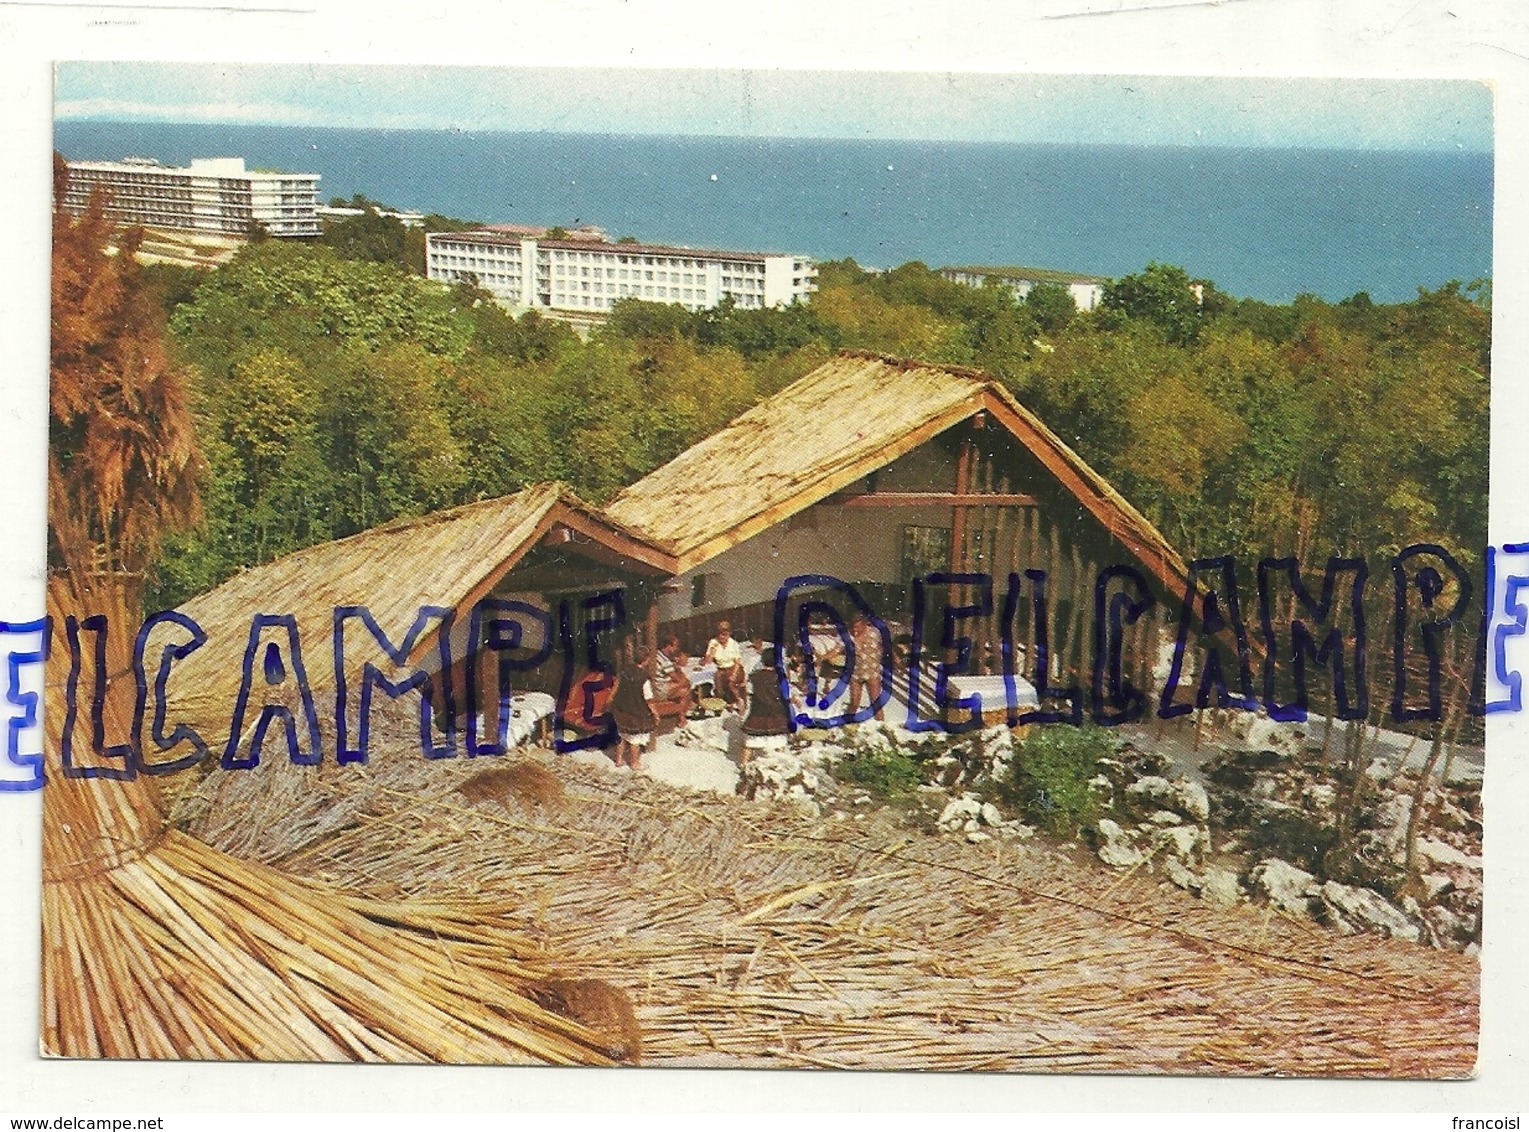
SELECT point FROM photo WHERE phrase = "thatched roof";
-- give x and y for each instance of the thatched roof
(451, 559)
(842, 421)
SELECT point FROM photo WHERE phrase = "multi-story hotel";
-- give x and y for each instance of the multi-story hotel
(1086, 290)
(215, 195)
(590, 275)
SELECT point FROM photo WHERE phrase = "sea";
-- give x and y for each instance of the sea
(1265, 223)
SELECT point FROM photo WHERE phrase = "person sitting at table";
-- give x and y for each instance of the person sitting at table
(766, 727)
(867, 671)
(727, 654)
(672, 692)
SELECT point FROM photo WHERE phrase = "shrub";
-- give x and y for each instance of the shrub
(1048, 780)
(888, 772)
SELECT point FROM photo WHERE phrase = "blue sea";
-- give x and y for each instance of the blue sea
(1263, 223)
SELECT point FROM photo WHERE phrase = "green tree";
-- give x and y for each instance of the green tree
(370, 237)
(1162, 295)
(1052, 306)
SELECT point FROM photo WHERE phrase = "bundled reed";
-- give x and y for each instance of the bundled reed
(157, 945)
(753, 936)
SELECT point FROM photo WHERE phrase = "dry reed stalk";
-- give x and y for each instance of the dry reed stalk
(158, 945)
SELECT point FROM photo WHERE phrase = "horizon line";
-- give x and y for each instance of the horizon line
(1460, 148)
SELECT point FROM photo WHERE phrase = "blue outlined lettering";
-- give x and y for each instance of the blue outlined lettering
(373, 677)
(1351, 699)
(1501, 674)
(1327, 629)
(275, 672)
(97, 626)
(23, 770)
(168, 655)
(1045, 694)
(1220, 614)
(952, 641)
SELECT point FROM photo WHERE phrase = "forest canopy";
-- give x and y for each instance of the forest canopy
(334, 389)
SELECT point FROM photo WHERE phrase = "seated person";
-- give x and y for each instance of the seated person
(766, 727)
(672, 693)
(727, 654)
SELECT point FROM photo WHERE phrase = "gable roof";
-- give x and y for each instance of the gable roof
(449, 558)
(844, 420)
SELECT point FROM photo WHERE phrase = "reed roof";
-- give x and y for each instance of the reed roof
(845, 419)
(450, 559)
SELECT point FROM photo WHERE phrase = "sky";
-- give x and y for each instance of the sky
(1068, 109)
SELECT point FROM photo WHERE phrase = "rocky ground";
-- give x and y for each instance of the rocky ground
(1249, 814)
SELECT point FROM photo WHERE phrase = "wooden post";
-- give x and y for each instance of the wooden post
(958, 521)
(958, 512)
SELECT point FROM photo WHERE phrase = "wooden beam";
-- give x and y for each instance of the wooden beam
(605, 535)
(938, 499)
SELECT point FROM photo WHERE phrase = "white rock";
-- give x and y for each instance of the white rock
(1183, 796)
(1321, 796)
(1446, 855)
(1220, 887)
(1287, 887)
(1165, 817)
(958, 811)
(976, 835)
(1353, 910)
(1115, 847)
(991, 814)
(1260, 733)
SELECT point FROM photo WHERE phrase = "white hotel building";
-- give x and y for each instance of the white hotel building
(591, 275)
(1087, 291)
(214, 195)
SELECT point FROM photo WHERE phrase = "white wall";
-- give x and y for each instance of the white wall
(850, 543)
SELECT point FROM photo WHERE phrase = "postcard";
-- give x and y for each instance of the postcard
(767, 582)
